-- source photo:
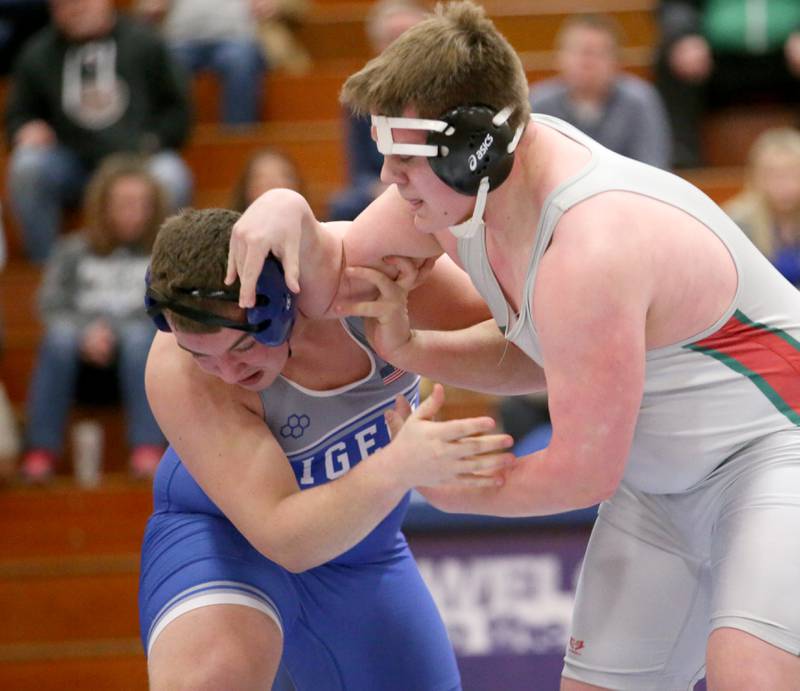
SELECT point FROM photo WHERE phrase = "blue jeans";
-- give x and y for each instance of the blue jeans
(240, 66)
(52, 388)
(43, 180)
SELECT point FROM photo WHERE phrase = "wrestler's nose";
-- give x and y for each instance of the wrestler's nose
(229, 369)
(390, 171)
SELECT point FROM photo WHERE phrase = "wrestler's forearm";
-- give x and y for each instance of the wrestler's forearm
(476, 358)
(311, 527)
(537, 485)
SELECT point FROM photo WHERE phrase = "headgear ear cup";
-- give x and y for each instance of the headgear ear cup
(471, 148)
(277, 305)
(152, 307)
(270, 320)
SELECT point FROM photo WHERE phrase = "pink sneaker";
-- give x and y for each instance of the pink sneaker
(38, 466)
(144, 460)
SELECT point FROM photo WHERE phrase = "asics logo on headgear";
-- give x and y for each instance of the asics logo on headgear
(481, 152)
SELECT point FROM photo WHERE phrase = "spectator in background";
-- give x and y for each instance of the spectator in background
(721, 52)
(90, 84)
(19, 19)
(220, 37)
(387, 19)
(621, 111)
(768, 209)
(267, 169)
(279, 21)
(92, 306)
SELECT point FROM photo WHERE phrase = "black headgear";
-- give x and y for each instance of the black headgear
(471, 148)
(464, 145)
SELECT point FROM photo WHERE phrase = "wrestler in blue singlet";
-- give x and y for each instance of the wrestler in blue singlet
(361, 622)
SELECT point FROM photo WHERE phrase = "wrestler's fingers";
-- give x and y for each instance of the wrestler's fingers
(385, 285)
(230, 272)
(409, 274)
(290, 260)
(402, 406)
(471, 431)
(432, 404)
(480, 480)
(488, 464)
(394, 421)
(476, 445)
(249, 271)
(375, 309)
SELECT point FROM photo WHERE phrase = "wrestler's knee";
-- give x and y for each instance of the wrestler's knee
(739, 661)
(574, 685)
(221, 668)
(211, 648)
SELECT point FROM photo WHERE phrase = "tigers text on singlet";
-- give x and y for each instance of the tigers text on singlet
(706, 397)
(324, 434)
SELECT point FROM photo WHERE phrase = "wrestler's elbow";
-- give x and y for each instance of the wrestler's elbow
(604, 478)
(287, 553)
(600, 494)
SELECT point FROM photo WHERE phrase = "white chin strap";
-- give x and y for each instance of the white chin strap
(472, 225)
(475, 223)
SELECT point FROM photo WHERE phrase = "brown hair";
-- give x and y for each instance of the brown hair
(191, 251)
(99, 233)
(454, 57)
(239, 201)
(599, 22)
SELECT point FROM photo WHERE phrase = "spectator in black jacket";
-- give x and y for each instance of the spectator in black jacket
(90, 84)
(715, 53)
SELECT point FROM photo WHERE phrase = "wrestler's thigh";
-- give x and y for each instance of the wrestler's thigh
(739, 661)
(218, 646)
(755, 611)
(379, 626)
(641, 609)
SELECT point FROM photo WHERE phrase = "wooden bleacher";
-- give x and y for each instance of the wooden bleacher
(68, 557)
(68, 581)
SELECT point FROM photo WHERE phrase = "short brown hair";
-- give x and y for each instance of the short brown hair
(99, 233)
(191, 251)
(454, 57)
(599, 22)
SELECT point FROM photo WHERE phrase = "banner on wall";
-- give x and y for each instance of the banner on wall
(506, 599)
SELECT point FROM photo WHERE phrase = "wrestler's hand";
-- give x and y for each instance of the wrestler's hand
(386, 317)
(430, 453)
(272, 223)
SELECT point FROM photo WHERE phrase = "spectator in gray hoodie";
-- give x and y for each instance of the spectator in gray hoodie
(92, 306)
(621, 111)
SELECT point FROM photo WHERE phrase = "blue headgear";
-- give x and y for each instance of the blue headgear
(270, 321)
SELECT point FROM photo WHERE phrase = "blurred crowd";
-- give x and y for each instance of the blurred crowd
(99, 111)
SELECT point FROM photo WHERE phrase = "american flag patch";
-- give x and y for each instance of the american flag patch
(390, 373)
